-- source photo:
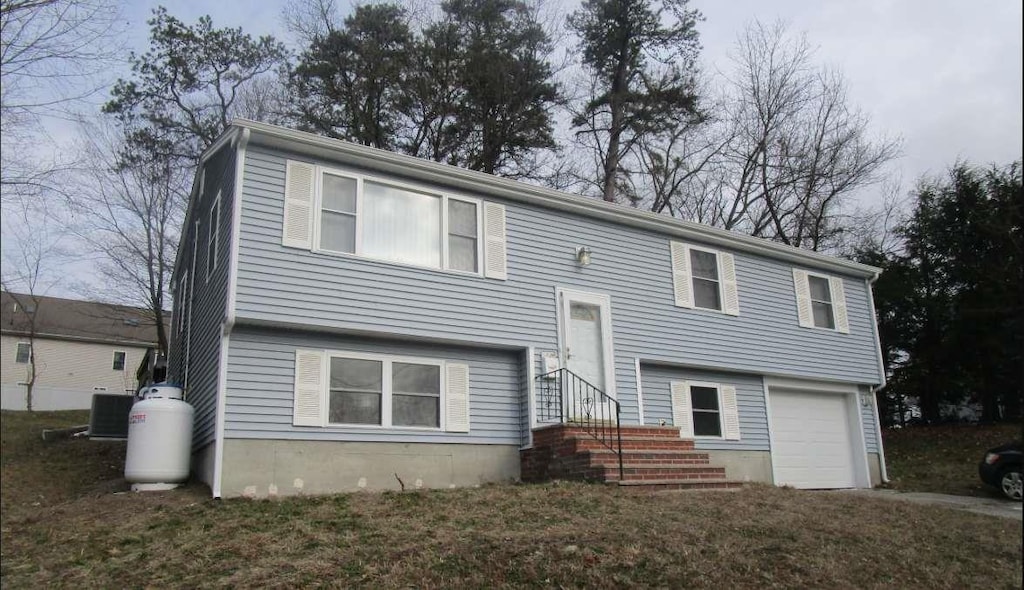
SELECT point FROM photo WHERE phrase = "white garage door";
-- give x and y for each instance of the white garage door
(811, 443)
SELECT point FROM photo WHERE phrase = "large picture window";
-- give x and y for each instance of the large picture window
(399, 224)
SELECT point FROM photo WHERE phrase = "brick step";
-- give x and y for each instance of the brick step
(632, 444)
(569, 431)
(657, 473)
(670, 457)
(674, 484)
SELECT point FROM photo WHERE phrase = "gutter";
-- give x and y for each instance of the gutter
(242, 141)
(429, 171)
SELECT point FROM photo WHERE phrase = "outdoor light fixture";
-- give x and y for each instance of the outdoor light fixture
(582, 255)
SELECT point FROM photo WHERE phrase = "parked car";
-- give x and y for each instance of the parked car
(1001, 469)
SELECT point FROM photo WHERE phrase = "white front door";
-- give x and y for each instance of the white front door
(586, 351)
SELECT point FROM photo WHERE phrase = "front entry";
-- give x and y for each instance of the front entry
(586, 343)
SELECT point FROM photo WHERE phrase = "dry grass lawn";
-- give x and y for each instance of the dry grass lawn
(943, 459)
(63, 525)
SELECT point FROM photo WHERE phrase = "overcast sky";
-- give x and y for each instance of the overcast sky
(945, 76)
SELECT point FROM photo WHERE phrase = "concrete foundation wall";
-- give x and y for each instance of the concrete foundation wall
(874, 469)
(743, 465)
(261, 468)
(203, 464)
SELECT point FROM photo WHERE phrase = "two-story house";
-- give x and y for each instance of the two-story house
(351, 318)
(68, 350)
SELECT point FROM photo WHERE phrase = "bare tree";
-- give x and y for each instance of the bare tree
(310, 20)
(32, 252)
(53, 55)
(131, 218)
(798, 148)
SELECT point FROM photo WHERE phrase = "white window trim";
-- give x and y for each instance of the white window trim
(213, 238)
(360, 178)
(114, 359)
(17, 346)
(831, 303)
(718, 272)
(721, 413)
(182, 292)
(386, 361)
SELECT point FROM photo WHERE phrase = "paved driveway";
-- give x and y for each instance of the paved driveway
(990, 506)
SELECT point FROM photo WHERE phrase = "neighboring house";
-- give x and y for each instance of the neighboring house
(351, 318)
(81, 348)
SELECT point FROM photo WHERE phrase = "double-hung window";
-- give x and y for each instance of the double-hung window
(384, 391)
(704, 278)
(702, 409)
(119, 360)
(706, 286)
(820, 301)
(707, 415)
(23, 353)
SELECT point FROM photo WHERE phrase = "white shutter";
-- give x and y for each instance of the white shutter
(456, 389)
(309, 368)
(803, 298)
(727, 266)
(730, 414)
(495, 263)
(681, 413)
(297, 225)
(835, 285)
(681, 274)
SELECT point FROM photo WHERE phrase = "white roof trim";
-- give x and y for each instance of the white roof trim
(452, 176)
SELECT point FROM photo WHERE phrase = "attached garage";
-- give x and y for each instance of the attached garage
(816, 436)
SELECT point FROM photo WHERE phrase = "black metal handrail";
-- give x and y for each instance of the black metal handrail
(563, 397)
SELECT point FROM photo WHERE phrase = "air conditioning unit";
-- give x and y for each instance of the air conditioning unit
(108, 419)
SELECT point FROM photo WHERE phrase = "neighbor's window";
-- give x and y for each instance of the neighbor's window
(359, 393)
(706, 413)
(821, 302)
(397, 224)
(704, 269)
(119, 359)
(23, 353)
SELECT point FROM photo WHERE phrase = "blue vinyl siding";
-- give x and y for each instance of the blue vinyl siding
(295, 286)
(209, 299)
(749, 400)
(261, 370)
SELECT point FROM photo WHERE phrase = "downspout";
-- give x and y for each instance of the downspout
(188, 316)
(241, 141)
(881, 373)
